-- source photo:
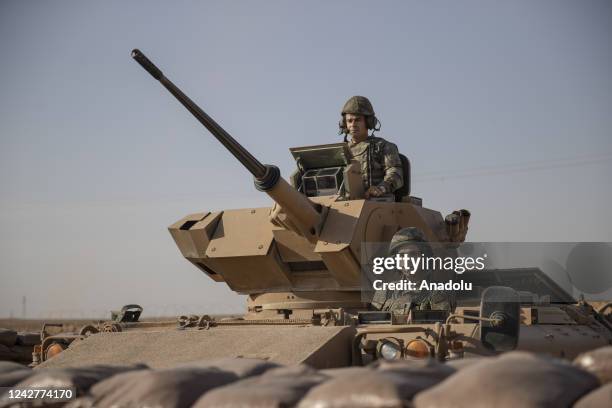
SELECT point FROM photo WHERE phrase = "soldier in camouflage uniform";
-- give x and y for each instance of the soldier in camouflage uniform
(412, 241)
(381, 167)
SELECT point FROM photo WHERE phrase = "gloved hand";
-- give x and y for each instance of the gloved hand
(375, 191)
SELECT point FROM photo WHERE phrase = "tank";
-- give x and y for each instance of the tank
(300, 262)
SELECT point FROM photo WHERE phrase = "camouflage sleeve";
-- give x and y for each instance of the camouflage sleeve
(394, 174)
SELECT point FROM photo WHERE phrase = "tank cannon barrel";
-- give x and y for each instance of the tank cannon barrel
(304, 214)
(253, 165)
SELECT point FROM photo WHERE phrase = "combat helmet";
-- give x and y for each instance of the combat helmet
(407, 238)
(359, 105)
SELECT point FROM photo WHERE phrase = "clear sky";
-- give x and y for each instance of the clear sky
(503, 107)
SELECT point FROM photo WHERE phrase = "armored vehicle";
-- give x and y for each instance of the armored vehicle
(301, 264)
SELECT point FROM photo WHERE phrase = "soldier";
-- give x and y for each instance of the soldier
(381, 167)
(412, 242)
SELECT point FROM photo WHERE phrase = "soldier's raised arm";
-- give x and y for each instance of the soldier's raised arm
(394, 174)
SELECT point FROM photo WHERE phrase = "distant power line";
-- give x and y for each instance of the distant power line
(514, 168)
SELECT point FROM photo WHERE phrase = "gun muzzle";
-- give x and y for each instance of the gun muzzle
(147, 64)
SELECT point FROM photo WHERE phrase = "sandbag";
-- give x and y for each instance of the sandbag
(242, 367)
(8, 337)
(462, 363)
(23, 353)
(600, 397)
(385, 384)
(597, 362)
(28, 339)
(278, 387)
(516, 379)
(6, 354)
(8, 366)
(13, 373)
(372, 389)
(86, 401)
(79, 378)
(341, 372)
(429, 370)
(14, 377)
(173, 387)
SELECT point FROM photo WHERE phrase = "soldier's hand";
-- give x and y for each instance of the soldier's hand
(375, 191)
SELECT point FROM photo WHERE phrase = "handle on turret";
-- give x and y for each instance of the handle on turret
(267, 178)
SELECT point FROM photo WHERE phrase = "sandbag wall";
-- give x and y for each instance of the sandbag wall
(17, 346)
(516, 379)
